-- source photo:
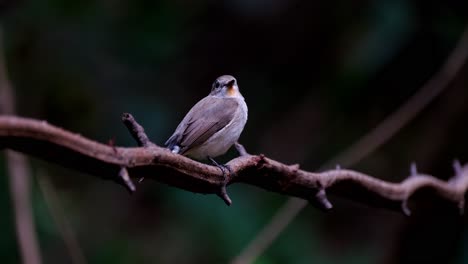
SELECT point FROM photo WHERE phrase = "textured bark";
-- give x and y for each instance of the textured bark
(40, 139)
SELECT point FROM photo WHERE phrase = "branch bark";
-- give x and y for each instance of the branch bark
(40, 139)
(365, 146)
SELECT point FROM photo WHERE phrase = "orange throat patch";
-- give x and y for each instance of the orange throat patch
(231, 91)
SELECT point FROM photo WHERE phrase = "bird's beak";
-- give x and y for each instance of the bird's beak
(231, 88)
(231, 84)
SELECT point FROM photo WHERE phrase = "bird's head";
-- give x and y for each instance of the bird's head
(225, 86)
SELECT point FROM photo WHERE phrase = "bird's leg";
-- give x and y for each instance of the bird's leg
(240, 149)
(221, 167)
(222, 192)
(214, 162)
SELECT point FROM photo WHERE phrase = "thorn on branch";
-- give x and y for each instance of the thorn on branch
(405, 208)
(136, 130)
(224, 196)
(111, 143)
(413, 169)
(457, 167)
(123, 175)
(461, 206)
(240, 149)
(294, 167)
(322, 200)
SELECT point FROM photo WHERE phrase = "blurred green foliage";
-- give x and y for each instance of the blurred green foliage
(316, 75)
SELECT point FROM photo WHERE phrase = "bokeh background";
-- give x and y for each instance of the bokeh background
(316, 75)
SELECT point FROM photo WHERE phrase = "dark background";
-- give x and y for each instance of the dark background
(316, 76)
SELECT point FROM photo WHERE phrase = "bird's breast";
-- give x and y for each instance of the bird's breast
(222, 140)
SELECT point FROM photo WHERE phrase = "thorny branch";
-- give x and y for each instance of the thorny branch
(371, 141)
(40, 139)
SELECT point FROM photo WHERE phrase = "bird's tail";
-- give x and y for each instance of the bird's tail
(172, 144)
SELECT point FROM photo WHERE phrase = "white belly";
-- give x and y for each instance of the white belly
(221, 141)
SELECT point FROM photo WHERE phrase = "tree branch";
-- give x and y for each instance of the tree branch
(367, 144)
(40, 139)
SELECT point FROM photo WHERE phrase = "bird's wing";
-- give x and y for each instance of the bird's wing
(207, 117)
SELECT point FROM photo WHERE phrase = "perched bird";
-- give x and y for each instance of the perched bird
(213, 125)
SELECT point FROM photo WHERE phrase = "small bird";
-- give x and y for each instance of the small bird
(213, 125)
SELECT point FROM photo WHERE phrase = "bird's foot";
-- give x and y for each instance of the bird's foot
(222, 193)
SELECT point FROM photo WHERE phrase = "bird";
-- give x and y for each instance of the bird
(213, 124)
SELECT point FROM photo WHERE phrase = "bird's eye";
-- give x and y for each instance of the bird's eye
(216, 85)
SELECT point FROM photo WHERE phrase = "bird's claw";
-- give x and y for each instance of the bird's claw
(222, 193)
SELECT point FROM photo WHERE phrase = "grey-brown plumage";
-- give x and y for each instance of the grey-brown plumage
(214, 124)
